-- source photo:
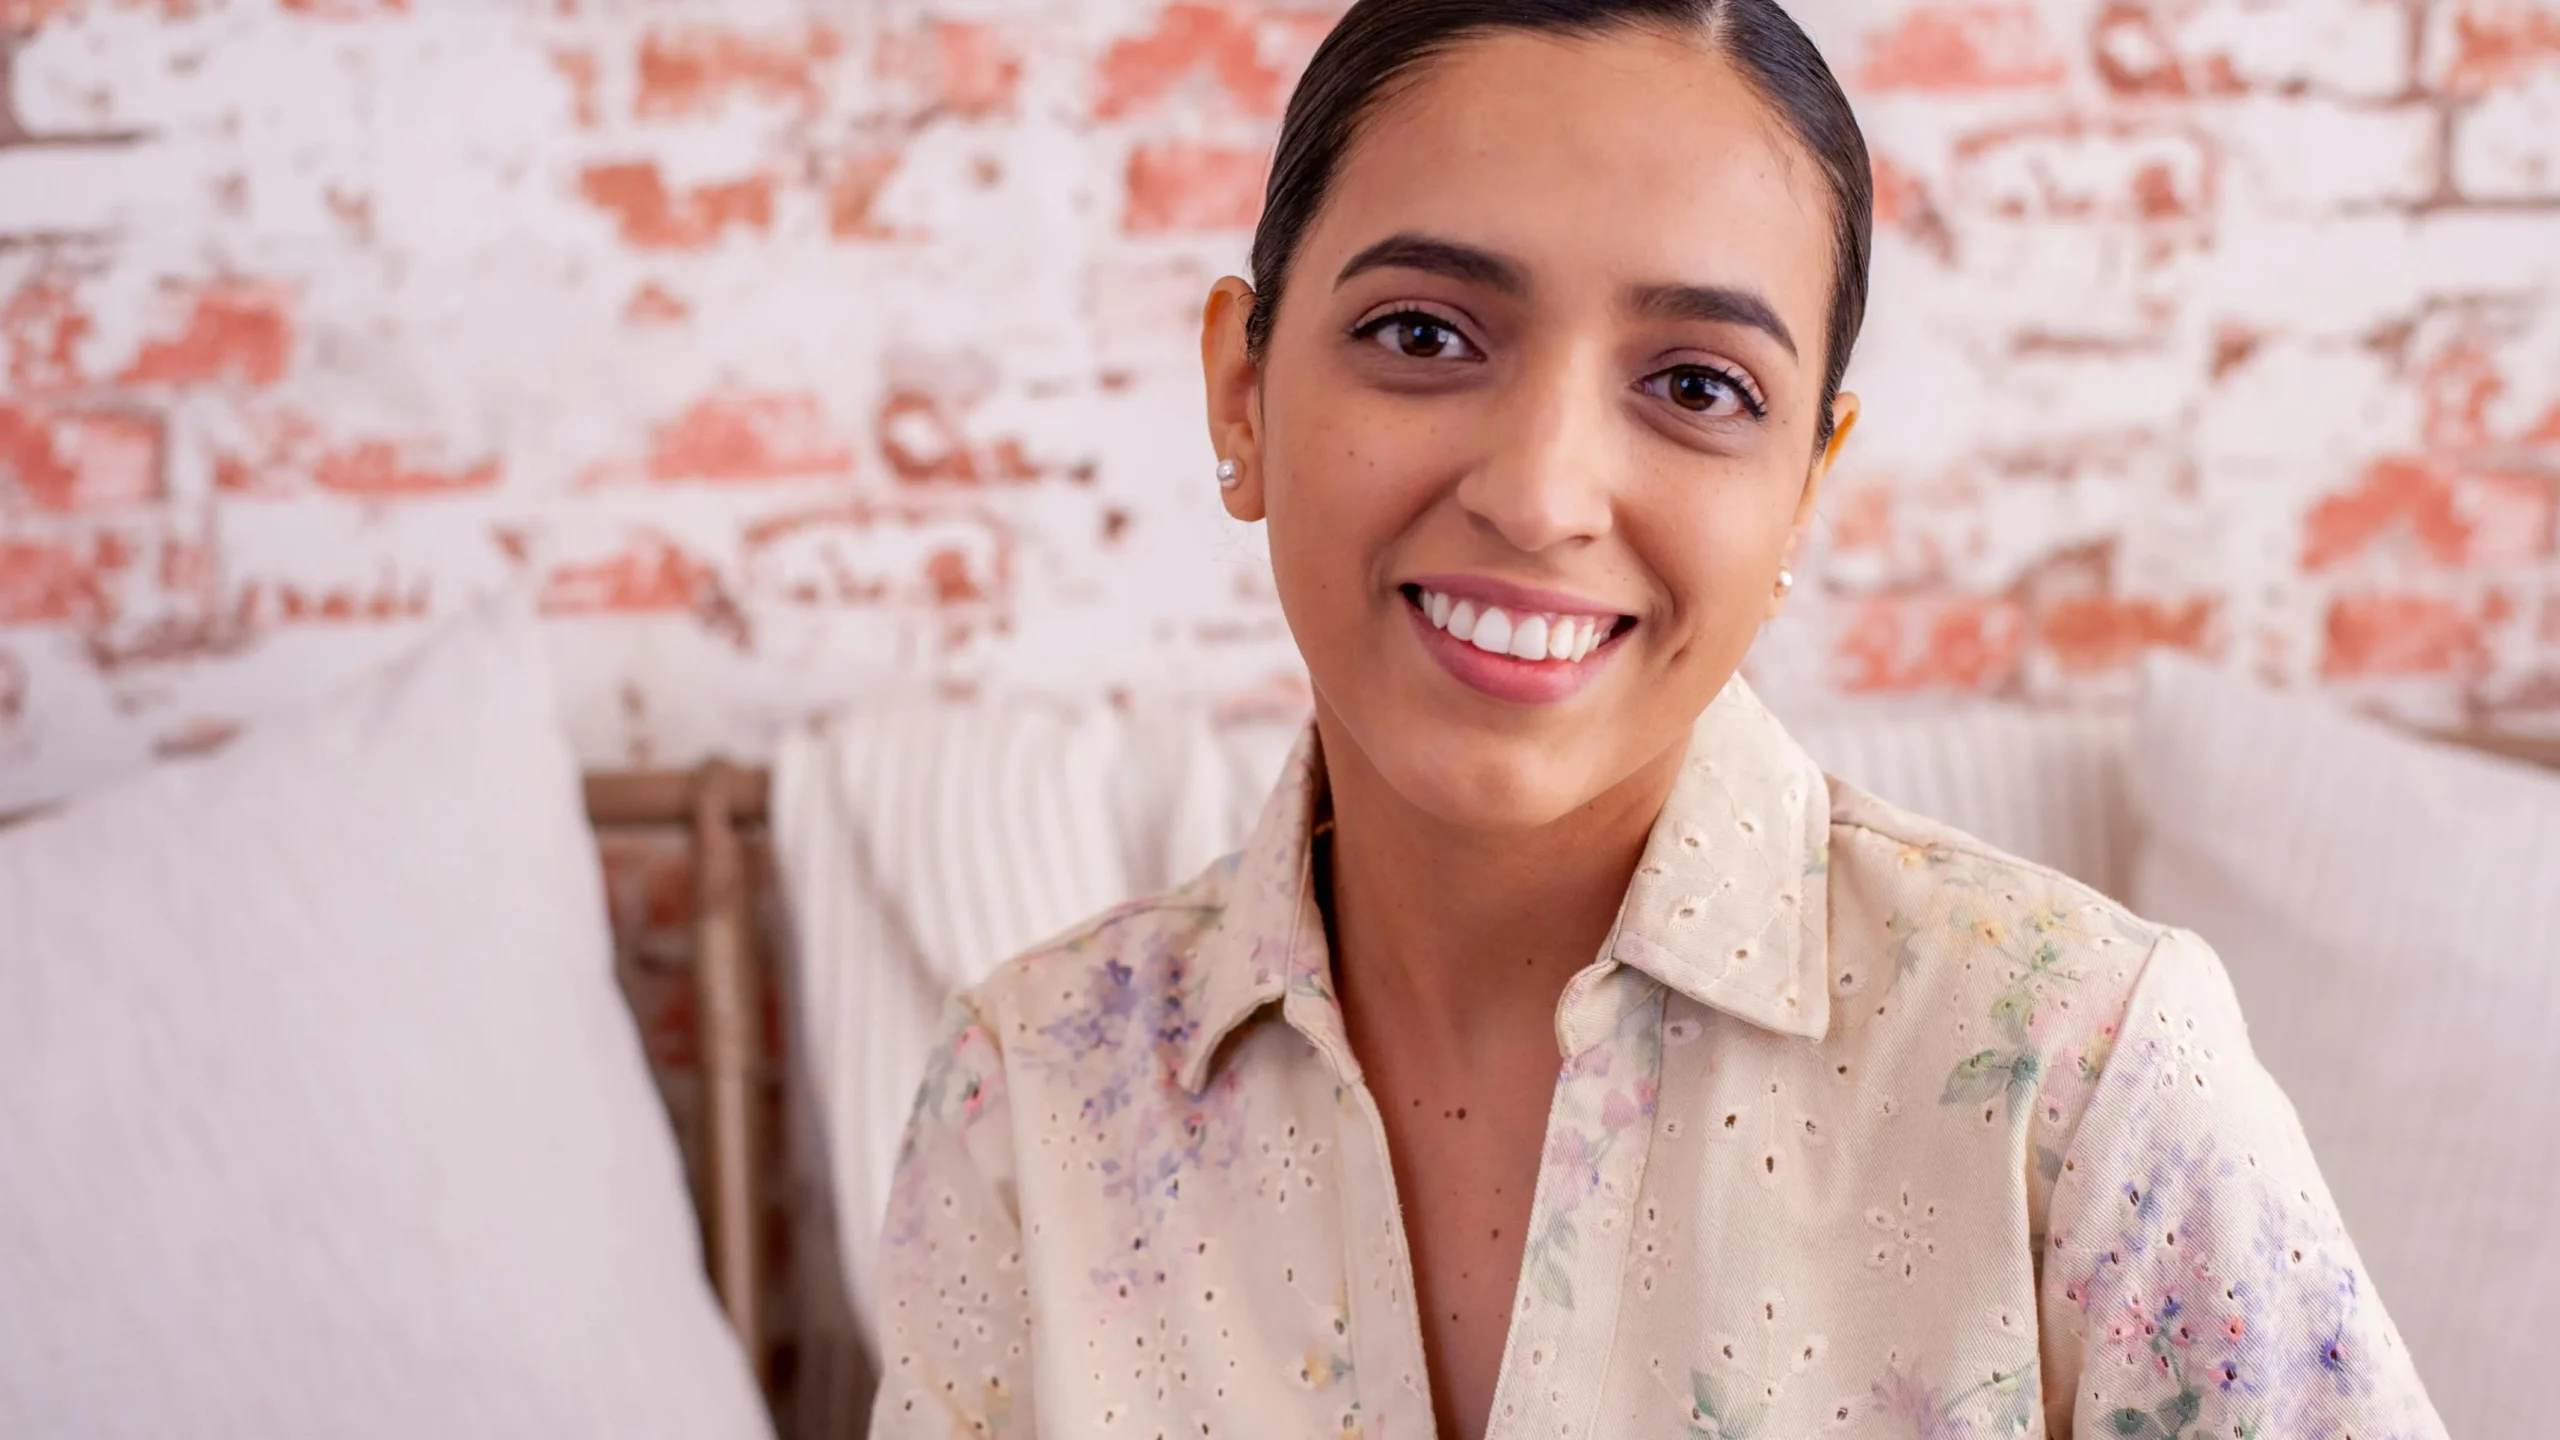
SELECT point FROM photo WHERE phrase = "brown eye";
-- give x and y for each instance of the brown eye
(1696, 389)
(1418, 335)
(1704, 390)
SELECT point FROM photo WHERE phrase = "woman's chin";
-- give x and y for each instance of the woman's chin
(1486, 782)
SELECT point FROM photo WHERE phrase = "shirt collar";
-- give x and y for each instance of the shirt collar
(1728, 905)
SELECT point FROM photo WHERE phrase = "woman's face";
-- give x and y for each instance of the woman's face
(1534, 430)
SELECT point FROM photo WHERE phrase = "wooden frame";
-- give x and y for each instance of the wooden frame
(716, 804)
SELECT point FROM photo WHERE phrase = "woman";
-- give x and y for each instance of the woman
(1564, 1054)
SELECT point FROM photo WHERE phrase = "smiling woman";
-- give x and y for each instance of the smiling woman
(1565, 1053)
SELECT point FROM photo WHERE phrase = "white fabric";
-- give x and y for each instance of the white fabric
(320, 1111)
(2044, 785)
(2390, 911)
(920, 845)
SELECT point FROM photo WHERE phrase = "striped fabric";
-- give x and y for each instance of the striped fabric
(2046, 786)
(920, 845)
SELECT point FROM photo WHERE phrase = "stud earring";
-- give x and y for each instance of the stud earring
(1786, 580)
(1228, 475)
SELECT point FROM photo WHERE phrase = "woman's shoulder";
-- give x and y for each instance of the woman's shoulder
(2036, 970)
(1124, 969)
(1879, 847)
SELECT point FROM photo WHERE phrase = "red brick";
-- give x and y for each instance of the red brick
(46, 583)
(2138, 52)
(855, 190)
(947, 572)
(649, 575)
(1861, 520)
(654, 304)
(23, 15)
(1903, 205)
(923, 442)
(962, 68)
(1962, 48)
(2459, 383)
(388, 598)
(235, 331)
(580, 70)
(694, 72)
(1184, 187)
(2370, 635)
(2095, 634)
(2077, 169)
(81, 460)
(385, 467)
(749, 437)
(1930, 642)
(1220, 43)
(652, 217)
(43, 327)
(2395, 496)
(2494, 44)
(864, 552)
(345, 9)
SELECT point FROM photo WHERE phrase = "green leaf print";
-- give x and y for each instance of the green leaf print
(2133, 1423)
(1990, 1073)
(1977, 1078)
(1555, 1285)
(1714, 1416)
(2178, 1412)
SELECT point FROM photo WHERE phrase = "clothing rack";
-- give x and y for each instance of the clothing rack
(717, 804)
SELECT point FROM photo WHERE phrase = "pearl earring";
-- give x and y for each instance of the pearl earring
(1228, 475)
(1786, 580)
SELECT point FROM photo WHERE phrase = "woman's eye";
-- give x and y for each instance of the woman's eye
(1703, 390)
(1420, 336)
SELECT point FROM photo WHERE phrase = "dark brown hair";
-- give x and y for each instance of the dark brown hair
(1380, 42)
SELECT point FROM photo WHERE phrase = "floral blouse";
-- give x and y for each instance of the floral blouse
(1860, 1128)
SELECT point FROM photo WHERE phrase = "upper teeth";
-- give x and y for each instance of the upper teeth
(1523, 637)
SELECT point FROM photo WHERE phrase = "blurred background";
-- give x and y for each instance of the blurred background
(837, 358)
(792, 352)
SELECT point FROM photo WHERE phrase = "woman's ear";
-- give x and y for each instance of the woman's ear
(1235, 395)
(1844, 418)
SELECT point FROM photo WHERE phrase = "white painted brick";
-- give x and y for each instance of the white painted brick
(2507, 147)
(2291, 155)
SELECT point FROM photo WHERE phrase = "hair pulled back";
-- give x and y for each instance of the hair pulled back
(1382, 42)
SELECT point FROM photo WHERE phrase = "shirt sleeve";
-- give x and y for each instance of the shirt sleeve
(2197, 1281)
(955, 1316)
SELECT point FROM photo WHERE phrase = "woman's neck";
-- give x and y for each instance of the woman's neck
(1463, 934)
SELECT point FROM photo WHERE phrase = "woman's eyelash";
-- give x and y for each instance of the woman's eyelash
(1371, 328)
(1730, 380)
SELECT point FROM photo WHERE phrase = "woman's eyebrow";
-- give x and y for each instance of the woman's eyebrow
(1406, 250)
(1714, 304)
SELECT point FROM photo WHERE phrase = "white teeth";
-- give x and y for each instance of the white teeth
(1536, 638)
(1529, 642)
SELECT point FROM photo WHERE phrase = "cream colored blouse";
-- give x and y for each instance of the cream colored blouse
(1860, 1128)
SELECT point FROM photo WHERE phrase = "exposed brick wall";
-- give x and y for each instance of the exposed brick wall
(791, 349)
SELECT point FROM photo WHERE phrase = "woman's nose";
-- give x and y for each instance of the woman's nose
(1545, 479)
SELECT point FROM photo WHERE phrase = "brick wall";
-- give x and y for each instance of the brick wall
(787, 350)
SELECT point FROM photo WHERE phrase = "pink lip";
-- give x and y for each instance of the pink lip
(1522, 682)
(1518, 599)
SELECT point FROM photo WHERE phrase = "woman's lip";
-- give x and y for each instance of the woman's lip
(1522, 682)
(1518, 599)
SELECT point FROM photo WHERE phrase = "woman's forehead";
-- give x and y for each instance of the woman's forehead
(1631, 157)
